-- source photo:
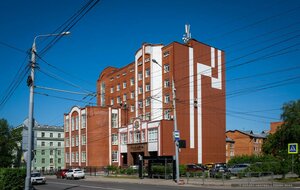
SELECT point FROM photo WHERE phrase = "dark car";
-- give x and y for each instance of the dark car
(193, 168)
(61, 173)
(218, 168)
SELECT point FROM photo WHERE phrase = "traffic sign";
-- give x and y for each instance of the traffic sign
(293, 148)
(176, 135)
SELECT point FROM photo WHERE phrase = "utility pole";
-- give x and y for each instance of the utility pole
(175, 130)
(30, 83)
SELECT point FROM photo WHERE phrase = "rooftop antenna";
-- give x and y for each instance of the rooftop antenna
(187, 36)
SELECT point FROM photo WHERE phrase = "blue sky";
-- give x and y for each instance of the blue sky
(260, 36)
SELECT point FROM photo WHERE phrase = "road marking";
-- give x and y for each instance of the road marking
(87, 186)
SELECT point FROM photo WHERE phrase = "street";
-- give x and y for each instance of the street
(59, 184)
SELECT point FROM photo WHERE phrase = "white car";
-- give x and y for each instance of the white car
(36, 178)
(75, 174)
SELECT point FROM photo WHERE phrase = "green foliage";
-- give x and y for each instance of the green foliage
(12, 178)
(131, 171)
(7, 144)
(297, 168)
(182, 169)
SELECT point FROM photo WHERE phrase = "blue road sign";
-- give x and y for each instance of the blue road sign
(293, 148)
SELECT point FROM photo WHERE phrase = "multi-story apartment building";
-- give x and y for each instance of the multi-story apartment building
(48, 146)
(135, 112)
(246, 142)
(49, 151)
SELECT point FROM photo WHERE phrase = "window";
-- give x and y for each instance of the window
(43, 160)
(147, 74)
(147, 59)
(118, 76)
(59, 135)
(43, 134)
(148, 116)
(140, 76)
(114, 156)
(111, 90)
(130, 136)
(147, 102)
(77, 122)
(114, 120)
(59, 160)
(77, 140)
(167, 114)
(140, 63)
(43, 144)
(166, 68)
(112, 102)
(124, 97)
(118, 99)
(67, 142)
(166, 54)
(42, 152)
(73, 157)
(67, 158)
(83, 140)
(124, 85)
(140, 90)
(147, 87)
(131, 108)
(124, 74)
(67, 125)
(142, 136)
(131, 70)
(112, 78)
(83, 121)
(114, 139)
(131, 81)
(51, 160)
(59, 152)
(51, 152)
(72, 123)
(152, 135)
(167, 99)
(167, 83)
(118, 87)
(51, 143)
(73, 141)
(123, 138)
(77, 157)
(83, 156)
(137, 137)
(132, 95)
(51, 134)
(140, 104)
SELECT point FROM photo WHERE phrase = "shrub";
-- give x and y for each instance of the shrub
(12, 178)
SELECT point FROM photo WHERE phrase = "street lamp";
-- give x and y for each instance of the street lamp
(175, 124)
(30, 83)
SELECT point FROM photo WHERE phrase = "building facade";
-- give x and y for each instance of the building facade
(229, 149)
(49, 151)
(137, 110)
(246, 142)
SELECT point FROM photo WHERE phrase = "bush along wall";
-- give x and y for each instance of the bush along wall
(12, 178)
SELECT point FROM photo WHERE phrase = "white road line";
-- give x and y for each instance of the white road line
(87, 186)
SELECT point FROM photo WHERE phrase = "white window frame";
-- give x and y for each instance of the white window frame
(140, 90)
(124, 85)
(77, 157)
(132, 95)
(131, 81)
(166, 68)
(147, 73)
(77, 122)
(76, 140)
(67, 125)
(124, 97)
(140, 76)
(147, 87)
(114, 156)
(152, 135)
(147, 102)
(112, 102)
(83, 121)
(166, 83)
(67, 142)
(111, 90)
(83, 156)
(118, 87)
(114, 120)
(167, 114)
(123, 138)
(114, 139)
(167, 99)
(131, 108)
(118, 100)
(83, 139)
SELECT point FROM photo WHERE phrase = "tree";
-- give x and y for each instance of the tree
(288, 132)
(6, 145)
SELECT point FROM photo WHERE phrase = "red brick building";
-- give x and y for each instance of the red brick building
(134, 112)
(246, 142)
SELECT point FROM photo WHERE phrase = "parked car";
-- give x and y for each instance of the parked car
(218, 168)
(238, 168)
(204, 167)
(193, 168)
(61, 173)
(36, 178)
(75, 174)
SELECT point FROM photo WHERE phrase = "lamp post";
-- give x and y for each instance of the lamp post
(175, 125)
(30, 83)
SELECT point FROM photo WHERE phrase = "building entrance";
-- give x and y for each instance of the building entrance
(136, 157)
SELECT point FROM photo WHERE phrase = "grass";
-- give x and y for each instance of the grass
(287, 180)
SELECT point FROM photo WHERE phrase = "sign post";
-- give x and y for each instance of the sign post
(293, 149)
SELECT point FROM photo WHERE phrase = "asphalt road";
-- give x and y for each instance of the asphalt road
(59, 184)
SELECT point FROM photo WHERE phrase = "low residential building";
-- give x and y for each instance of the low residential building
(274, 126)
(246, 142)
(229, 148)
